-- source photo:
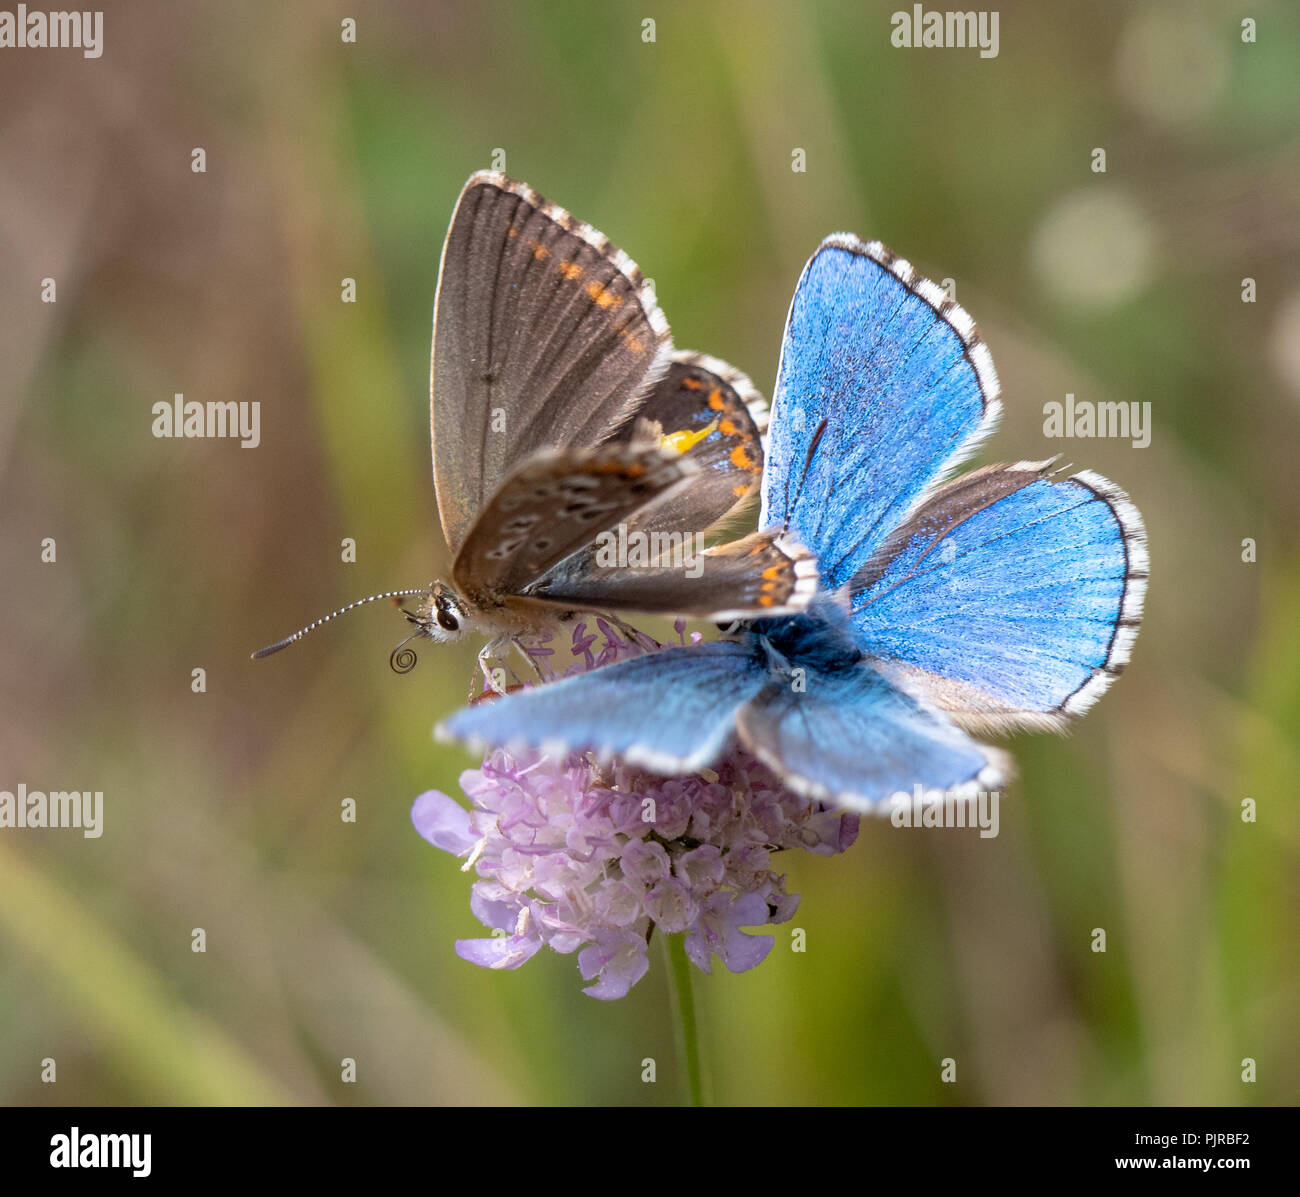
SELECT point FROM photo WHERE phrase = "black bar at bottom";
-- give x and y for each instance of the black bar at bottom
(339, 1145)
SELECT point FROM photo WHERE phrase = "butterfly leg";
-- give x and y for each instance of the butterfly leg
(492, 651)
(529, 653)
(636, 637)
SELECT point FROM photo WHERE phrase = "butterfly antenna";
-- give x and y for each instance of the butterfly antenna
(311, 627)
(803, 474)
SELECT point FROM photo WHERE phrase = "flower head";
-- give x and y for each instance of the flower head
(592, 858)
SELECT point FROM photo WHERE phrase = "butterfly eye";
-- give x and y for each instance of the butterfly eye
(447, 621)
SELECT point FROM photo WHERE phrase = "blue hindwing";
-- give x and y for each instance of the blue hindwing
(850, 736)
(1007, 598)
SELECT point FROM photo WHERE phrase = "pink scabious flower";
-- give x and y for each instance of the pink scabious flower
(589, 857)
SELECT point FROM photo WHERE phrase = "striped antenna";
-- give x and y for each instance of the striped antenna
(311, 627)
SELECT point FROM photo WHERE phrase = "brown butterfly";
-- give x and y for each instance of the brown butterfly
(579, 462)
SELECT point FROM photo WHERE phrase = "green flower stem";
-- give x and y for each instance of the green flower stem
(688, 1030)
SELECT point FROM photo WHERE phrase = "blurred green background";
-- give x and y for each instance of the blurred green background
(328, 940)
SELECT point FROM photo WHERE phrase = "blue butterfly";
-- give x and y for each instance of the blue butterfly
(1004, 598)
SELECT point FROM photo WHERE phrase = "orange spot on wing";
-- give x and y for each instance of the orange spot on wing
(716, 401)
(740, 491)
(541, 253)
(741, 459)
(602, 297)
(766, 600)
(692, 384)
(570, 270)
(728, 427)
(772, 572)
